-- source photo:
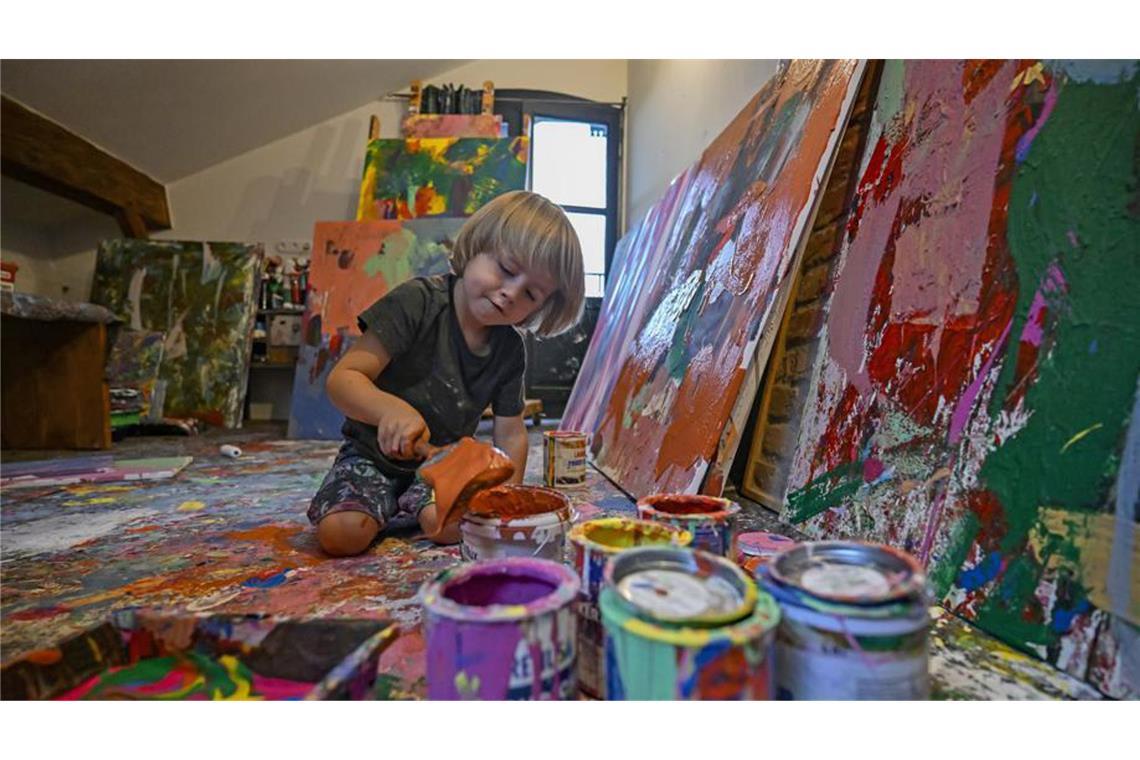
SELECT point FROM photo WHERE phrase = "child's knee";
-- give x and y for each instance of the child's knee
(342, 534)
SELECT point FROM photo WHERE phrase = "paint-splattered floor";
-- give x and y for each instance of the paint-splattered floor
(231, 536)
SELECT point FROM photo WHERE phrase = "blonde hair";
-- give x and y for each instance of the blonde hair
(538, 234)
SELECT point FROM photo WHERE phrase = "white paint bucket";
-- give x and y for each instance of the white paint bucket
(541, 535)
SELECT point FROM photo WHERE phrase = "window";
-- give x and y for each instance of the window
(575, 162)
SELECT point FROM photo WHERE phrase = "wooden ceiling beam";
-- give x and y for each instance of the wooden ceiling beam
(40, 152)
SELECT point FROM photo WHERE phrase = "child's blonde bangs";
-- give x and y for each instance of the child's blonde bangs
(538, 234)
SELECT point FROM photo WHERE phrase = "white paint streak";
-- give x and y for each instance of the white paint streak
(65, 531)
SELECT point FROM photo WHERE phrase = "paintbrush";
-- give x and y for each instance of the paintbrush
(454, 473)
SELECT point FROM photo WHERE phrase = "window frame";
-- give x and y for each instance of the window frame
(514, 105)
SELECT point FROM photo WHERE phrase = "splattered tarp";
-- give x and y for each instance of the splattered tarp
(201, 295)
(353, 265)
(978, 366)
(698, 280)
(438, 176)
(230, 536)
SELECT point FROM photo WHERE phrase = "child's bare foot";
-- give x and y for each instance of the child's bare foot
(440, 534)
(343, 534)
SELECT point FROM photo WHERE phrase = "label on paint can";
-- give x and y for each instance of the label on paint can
(564, 458)
(804, 674)
(556, 669)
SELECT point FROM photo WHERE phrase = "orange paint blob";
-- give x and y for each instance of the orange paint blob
(517, 501)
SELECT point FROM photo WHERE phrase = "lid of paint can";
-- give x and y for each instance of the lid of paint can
(849, 572)
(681, 586)
(761, 544)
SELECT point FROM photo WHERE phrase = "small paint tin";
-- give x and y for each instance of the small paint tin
(592, 544)
(753, 550)
(855, 622)
(649, 658)
(711, 519)
(564, 458)
(850, 572)
(501, 629)
(516, 521)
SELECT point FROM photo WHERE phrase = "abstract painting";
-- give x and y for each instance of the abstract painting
(453, 125)
(697, 282)
(438, 176)
(201, 295)
(974, 396)
(134, 363)
(353, 265)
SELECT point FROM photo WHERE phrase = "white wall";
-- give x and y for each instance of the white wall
(676, 108)
(279, 190)
(51, 240)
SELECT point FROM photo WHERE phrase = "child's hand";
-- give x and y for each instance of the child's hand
(402, 433)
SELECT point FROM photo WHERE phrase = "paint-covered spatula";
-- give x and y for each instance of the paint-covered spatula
(454, 474)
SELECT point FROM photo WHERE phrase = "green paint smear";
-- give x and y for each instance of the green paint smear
(828, 490)
(890, 91)
(677, 362)
(1079, 176)
(944, 569)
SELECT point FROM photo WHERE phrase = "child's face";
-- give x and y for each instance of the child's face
(501, 291)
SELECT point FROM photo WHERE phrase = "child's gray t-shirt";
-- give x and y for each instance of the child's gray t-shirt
(434, 370)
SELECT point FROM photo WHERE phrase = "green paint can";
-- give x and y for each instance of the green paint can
(684, 624)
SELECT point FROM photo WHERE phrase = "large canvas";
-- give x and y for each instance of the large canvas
(697, 281)
(353, 265)
(438, 176)
(977, 373)
(201, 295)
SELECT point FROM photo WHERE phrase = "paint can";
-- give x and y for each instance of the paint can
(564, 458)
(516, 521)
(685, 624)
(501, 629)
(753, 550)
(711, 519)
(592, 544)
(855, 622)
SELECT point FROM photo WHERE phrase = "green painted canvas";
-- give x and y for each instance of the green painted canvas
(201, 295)
(438, 176)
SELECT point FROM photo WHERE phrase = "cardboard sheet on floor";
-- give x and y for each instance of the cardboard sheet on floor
(103, 468)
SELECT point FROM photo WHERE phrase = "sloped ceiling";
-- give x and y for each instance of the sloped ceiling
(173, 118)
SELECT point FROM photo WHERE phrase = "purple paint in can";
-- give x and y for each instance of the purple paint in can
(501, 629)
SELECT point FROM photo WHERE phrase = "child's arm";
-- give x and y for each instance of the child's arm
(400, 430)
(509, 434)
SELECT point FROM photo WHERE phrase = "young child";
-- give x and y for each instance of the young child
(434, 353)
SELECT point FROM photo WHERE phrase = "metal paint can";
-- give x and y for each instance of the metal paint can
(564, 458)
(711, 519)
(516, 521)
(753, 550)
(685, 624)
(501, 629)
(592, 544)
(855, 622)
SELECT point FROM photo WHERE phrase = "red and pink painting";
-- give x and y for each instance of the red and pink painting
(977, 372)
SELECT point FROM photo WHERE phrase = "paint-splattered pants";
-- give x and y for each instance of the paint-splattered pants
(356, 484)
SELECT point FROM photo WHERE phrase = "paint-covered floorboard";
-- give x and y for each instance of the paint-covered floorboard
(231, 536)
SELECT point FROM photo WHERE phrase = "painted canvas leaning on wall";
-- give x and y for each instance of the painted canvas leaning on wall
(974, 397)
